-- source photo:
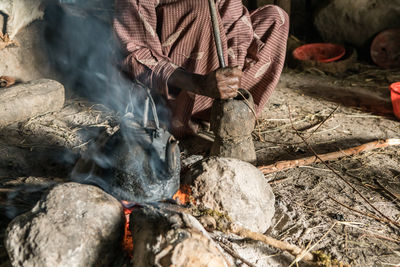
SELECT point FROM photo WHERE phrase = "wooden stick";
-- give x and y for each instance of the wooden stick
(288, 164)
(217, 34)
(292, 249)
(234, 228)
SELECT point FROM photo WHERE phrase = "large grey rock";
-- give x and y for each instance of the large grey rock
(234, 187)
(167, 237)
(29, 60)
(73, 225)
(26, 100)
(356, 21)
(20, 13)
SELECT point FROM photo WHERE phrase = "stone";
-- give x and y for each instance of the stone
(356, 21)
(26, 100)
(72, 225)
(168, 237)
(232, 122)
(29, 60)
(19, 13)
(234, 187)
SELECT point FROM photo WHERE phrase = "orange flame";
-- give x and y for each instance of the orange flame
(127, 242)
(184, 195)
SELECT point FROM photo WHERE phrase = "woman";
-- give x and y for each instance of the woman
(169, 46)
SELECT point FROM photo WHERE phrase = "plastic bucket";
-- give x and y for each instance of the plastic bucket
(395, 96)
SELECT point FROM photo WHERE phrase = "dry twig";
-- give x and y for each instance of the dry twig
(313, 246)
(384, 220)
(292, 249)
(231, 252)
(227, 226)
(369, 232)
(395, 196)
(288, 164)
(318, 125)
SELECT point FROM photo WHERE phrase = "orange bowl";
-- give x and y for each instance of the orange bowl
(321, 52)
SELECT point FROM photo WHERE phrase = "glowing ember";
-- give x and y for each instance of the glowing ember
(184, 195)
(127, 243)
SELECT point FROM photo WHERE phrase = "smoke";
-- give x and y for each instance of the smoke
(139, 162)
(21, 199)
(82, 48)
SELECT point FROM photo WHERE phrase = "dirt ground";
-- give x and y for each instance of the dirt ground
(312, 202)
(333, 113)
(305, 197)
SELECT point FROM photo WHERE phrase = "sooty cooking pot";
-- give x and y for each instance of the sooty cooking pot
(139, 162)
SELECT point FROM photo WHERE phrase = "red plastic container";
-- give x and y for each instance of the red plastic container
(321, 52)
(385, 49)
(395, 96)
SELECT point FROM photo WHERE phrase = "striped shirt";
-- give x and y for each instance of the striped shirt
(160, 35)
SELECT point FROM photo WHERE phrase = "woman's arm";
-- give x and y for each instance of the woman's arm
(135, 25)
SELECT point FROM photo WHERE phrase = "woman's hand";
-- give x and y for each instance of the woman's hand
(222, 83)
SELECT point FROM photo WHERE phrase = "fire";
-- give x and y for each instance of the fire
(184, 195)
(127, 243)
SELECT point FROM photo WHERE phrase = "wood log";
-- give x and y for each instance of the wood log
(23, 101)
(164, 237)
(288, 164)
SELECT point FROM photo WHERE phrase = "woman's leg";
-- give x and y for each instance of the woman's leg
(266, 54)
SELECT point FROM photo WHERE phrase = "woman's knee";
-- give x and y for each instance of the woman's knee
(270, 14)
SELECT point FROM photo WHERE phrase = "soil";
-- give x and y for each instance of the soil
(359, 109)
(332, 112)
